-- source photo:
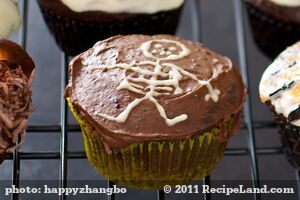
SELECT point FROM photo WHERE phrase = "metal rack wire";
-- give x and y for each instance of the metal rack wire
(64, 128)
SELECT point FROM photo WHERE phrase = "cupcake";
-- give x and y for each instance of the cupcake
(154, 110)
(279, 89)
(9, 17)
(16, 74)
(275, 24)
(79, 24)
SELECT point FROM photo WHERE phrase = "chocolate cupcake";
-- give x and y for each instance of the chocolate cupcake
(16, 74)
(280, 90)
(275, 24)
(79, 24)
(154, 110)
(9, 17)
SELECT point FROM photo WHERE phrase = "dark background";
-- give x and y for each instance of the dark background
(218, 28)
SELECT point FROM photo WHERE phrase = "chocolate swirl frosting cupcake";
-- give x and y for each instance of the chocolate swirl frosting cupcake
(161, 89)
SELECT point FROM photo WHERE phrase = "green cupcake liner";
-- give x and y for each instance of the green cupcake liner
(153, 164)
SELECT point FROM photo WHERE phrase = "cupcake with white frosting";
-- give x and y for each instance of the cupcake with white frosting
(280, 90)
(78, 24)
(275, 24)
(9, 17)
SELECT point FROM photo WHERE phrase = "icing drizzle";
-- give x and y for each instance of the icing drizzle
(156, 78)
(280, 83)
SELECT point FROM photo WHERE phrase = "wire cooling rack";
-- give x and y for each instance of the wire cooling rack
(64, 128)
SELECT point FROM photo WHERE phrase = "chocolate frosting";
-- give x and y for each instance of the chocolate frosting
(208, 100)
(284, 13)
(16, 74)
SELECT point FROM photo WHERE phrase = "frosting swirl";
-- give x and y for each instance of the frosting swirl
(123, 6)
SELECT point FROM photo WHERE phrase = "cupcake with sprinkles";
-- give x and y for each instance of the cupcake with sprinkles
(154, 110)
(280, 90)
(275, 24)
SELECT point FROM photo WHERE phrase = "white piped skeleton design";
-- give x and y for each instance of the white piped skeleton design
(161, 81)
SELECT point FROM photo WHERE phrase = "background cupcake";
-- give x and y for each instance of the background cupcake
(154, 110)
(275, 24)
(16, 74)
(9, 17)
(79, 24)
(280, 90)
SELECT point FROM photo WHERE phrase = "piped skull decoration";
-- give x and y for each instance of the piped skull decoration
(159, 78)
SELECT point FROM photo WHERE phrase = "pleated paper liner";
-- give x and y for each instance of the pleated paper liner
(153, 164)
(271, 35)
(290, 138)
(77, 32)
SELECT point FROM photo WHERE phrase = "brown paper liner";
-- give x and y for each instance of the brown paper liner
(290, 138)
(77, 32)
(271, 35)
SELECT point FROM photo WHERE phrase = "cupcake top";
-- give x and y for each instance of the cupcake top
(137, 87)
(280, 84)
(16, 74)
(9, 17)
(283, 10)
(123, 6)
